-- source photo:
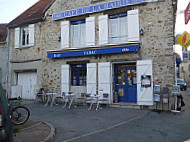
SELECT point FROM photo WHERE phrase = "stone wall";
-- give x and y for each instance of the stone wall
(156, 20)
(3, 65)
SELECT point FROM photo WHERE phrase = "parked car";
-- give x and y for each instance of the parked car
(6, 134)
(182, 84)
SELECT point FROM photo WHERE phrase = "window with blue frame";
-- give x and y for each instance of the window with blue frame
(78, 75)
(118, 29)
(78, 35)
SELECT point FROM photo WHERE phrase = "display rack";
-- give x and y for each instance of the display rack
(175, 92)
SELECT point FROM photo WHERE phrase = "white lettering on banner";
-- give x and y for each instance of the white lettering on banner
(57, 55)
(91, 52)
(95, 8)
(125, 49)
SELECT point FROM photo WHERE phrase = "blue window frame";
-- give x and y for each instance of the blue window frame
(78, 75)
(78, 35)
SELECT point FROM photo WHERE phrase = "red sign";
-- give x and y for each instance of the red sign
(187, 13)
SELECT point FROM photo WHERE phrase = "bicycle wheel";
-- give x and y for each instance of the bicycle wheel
(20, 115)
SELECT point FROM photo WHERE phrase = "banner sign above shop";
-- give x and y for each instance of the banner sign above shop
(95, 8)
(99, 51)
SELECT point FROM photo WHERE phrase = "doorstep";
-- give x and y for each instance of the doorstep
(125, 105)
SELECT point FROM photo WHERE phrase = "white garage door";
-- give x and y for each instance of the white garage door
(27, 81)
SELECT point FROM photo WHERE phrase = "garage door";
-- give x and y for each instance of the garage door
(27, 81)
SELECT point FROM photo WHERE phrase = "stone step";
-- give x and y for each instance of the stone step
(125, 105)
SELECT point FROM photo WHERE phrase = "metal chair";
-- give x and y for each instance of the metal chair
(81, 99)
(103, 99)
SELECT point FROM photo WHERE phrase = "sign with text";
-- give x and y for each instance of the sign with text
(98, 51)
(184, 39)
(187, 13)
(95, 8)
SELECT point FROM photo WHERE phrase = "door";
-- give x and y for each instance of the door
(126, 83)
(27, 81)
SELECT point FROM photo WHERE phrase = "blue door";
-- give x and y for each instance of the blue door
(126, 83)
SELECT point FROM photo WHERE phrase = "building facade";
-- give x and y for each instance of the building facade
(117, 47)
(25, 50)
(111, 46)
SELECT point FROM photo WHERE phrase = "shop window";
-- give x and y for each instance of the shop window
(118, 31)
(78, 75)
(120, 79)
(78, 35)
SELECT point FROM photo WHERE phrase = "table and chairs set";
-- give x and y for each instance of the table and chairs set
(71, 99)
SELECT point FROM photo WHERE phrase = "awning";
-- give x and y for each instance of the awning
(97, 51)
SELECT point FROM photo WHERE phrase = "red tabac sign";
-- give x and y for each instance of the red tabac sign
(187, 13)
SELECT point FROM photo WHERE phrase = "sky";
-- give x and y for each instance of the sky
(10, 9)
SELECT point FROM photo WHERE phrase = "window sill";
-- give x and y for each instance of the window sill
(24, 47)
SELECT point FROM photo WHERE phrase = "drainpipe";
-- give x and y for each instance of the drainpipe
(174, 6)
(8, 61)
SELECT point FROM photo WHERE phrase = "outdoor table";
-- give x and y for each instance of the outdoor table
(70, 97)
(51, 98)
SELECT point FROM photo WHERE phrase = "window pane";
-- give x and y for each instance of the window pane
(74, 35)
(123, 29)
(78, 75)
(113, 30)
(23, 37)
(82, 35)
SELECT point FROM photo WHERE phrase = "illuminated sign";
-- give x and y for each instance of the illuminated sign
(95, 8)
(184, 39)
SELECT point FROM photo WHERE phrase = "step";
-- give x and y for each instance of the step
(125, 105)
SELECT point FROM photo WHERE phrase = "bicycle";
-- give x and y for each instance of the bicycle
(19, 114)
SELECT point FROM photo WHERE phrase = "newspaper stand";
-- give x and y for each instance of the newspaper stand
(157, 90)
(175, 93)
(165, 96)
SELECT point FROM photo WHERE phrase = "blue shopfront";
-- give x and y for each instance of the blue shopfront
(125, 82)
(114, 75)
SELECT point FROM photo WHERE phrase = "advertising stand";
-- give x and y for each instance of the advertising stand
(175, 92)
(157, 96)
(165, 96)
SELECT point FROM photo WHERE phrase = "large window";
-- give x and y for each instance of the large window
(78, 35)
(78, 75)
(118, 31)
(25, 36)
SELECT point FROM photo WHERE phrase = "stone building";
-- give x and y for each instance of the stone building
(117, 47)
(26, 52)
(3, 56)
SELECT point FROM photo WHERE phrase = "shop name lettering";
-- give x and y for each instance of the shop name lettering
(56, 55)
(125, 49)
(95, 8)
(91, 52)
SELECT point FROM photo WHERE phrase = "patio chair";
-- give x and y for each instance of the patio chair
(103, 99)
(65, 99)
(81, 99)
(39, 94)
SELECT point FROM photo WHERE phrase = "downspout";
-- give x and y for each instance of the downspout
(174, 6)
(7, 75)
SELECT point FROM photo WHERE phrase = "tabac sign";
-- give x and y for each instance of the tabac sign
(184, 39)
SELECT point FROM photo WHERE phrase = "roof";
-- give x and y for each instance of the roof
(32, 15)
(3, 33)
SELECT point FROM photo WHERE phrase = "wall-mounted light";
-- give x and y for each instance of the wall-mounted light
(59, 38)
(141, 31)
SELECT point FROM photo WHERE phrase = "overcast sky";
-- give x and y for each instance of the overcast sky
(10, 9)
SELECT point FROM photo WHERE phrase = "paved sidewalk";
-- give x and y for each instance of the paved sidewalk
(41, 132)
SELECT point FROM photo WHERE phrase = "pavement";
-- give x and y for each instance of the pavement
(106, 125)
